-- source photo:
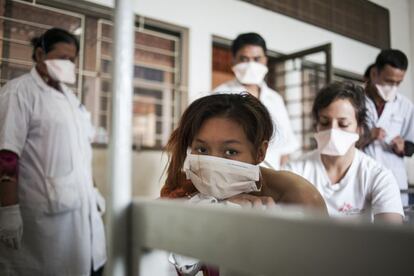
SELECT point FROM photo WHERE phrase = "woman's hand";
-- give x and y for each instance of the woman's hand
(398, 146)
(252, 201)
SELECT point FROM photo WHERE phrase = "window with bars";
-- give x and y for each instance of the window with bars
(156, 83)
(157, 66)
(19, 23)
(298, 81)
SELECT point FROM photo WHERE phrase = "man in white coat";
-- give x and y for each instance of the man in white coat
(391, 115)
(49, 218)
(249, 59)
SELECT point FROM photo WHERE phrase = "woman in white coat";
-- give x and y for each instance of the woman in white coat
(49, 219)
(352, 183)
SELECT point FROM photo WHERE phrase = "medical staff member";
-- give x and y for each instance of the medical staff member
(49, 220)
(249, 59)
(353, 184)
(391, 115)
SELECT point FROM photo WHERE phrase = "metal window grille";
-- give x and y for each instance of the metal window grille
(21, 21)
(158, 85)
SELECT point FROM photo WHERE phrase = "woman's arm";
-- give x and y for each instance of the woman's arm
(389, 218)
(8, 178)
(289, 188)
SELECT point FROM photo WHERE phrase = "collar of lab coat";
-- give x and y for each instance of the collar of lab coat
(263, 87)
(43, 85)
(389, 109)
(397, 97)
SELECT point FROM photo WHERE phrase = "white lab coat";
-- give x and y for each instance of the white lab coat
(63, 233)
(366, 189)
(284, 140)
(396, 119)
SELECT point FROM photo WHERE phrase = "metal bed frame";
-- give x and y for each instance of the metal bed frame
(254, 242)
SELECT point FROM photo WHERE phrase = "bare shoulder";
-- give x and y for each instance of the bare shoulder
(285, 179)
(291, 188)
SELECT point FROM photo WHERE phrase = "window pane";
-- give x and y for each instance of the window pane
(154, 41)
(20, 23)
(148, 74)
(155, 96)
(156, 67)
(144, 56)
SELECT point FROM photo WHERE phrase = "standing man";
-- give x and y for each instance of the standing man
(390, 115)
(49, 220)
(250, 68)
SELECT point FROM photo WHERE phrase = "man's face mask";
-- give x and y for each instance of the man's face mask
(250, 72)
(61, 70)
(387, 92)
(219, 177)
(335, 142)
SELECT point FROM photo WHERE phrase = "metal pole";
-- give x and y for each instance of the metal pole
(120, 144)
(329, 69)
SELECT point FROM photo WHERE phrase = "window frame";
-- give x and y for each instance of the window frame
(84, 10)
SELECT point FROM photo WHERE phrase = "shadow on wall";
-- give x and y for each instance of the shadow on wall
(147, 169)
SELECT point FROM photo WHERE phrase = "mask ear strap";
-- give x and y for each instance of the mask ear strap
(186, 164)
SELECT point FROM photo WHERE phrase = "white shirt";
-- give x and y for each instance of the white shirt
(397, 118)
(366, 189)
(63, 233)
(284, 140)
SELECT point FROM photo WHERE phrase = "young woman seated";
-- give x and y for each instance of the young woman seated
(216, 151)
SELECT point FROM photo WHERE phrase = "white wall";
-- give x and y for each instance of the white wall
(402, 36)
(228, 18)
(147, 172)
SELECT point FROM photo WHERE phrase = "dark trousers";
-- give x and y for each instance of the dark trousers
(98, 272)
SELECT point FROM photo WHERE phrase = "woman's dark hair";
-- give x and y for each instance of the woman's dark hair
(52, 36)
(248, 39)
(392, 57)
(343, 90)
(244, 109)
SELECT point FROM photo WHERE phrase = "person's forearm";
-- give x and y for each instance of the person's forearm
(388, 218)
(8, 191)
(8, 178)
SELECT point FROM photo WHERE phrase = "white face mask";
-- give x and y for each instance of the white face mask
(387, 92)
(61, 70)
(220, 177)
(250, 72)
(335, 141)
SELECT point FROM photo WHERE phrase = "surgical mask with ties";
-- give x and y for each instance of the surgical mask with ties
(335, 142)
(250, 72)
(61, 70)
(387, 92)
(219, 177)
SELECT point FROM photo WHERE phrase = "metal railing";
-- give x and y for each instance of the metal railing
(264, 243)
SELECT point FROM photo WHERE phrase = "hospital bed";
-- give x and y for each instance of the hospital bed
(255, 242)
